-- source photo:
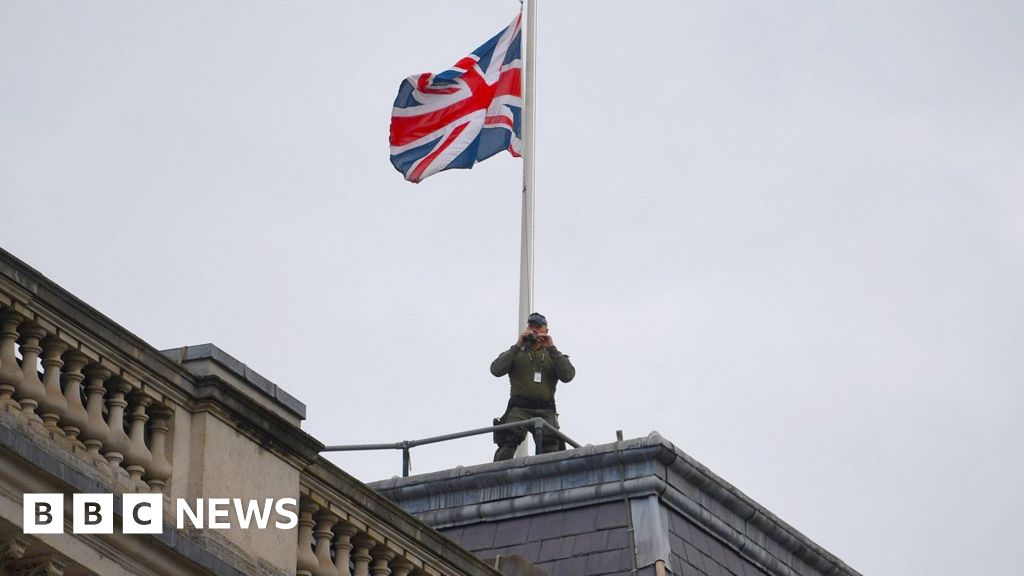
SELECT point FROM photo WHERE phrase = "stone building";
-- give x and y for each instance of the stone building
(87, 407)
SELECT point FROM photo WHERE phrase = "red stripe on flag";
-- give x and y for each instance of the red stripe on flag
(407, 129)
(466, 63)
(491, 120)
(429, 159)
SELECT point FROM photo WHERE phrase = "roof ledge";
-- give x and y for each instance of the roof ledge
(209, 360)
(640, 467)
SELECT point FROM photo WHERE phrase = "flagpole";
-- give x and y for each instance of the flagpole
(526, 240)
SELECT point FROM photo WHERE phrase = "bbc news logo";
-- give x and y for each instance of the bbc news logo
(144, 513)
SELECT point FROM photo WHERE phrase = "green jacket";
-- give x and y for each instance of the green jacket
(521, 365)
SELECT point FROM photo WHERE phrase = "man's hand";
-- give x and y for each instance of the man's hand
(522, 338)
(545, 341)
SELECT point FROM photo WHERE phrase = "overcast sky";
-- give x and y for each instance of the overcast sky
(789, 236)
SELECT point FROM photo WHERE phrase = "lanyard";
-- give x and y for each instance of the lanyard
(537, 366)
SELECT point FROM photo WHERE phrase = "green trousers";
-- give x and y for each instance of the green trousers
(509, 440)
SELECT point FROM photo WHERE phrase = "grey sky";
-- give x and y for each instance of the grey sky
(788, 236)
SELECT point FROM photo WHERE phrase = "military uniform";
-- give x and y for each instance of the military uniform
(530, 398)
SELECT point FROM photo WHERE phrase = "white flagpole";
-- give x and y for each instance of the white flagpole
(529, 111)
(526, 240)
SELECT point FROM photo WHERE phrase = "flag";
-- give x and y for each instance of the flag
(463, 115)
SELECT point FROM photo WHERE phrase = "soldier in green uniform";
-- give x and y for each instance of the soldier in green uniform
(534, 367)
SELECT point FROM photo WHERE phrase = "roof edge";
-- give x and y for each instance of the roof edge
(637, 467)
(185, 354)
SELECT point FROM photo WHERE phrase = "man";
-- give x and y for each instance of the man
(534, 367)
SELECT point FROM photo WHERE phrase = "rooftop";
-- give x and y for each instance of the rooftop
(570, 510)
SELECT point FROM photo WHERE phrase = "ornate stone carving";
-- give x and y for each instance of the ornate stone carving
(12, 549)
(37, 566)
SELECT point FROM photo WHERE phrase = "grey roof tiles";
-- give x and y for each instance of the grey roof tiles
(571, 513)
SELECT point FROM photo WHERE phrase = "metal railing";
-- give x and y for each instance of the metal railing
(537, 428)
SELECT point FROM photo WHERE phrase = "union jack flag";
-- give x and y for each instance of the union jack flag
(465, 114)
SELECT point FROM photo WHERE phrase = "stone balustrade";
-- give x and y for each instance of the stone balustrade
(333, 543)
(341, 535)
(120, 426)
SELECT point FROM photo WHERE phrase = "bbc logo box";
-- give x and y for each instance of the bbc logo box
(93, 514)
(43, 514)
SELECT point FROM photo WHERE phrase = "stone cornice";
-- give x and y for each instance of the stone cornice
(260, 425)
(594, 474)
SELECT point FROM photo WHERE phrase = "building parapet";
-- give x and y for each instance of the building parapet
(208, 359)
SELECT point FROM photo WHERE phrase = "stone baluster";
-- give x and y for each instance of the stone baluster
(10, 372)
(361, 556)
(343, 533)
(159, 470)
(382, 555)
(306, 561)
(76, 418)
(138, 457)
(401, 567)
(325, 520)
(118, 442)
(96, 430)
(30, 391)
(53, 406)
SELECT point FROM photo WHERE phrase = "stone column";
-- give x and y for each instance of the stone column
(343, 547)
(306, 562)
(325, 520)
(53, 405)
(401, 567)
(10, 372)
(361, 556)
(138, 457)
(159, 470)
(30, 390)
(117, 443)
(95, 431)
(76, 418)
(381, 556)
